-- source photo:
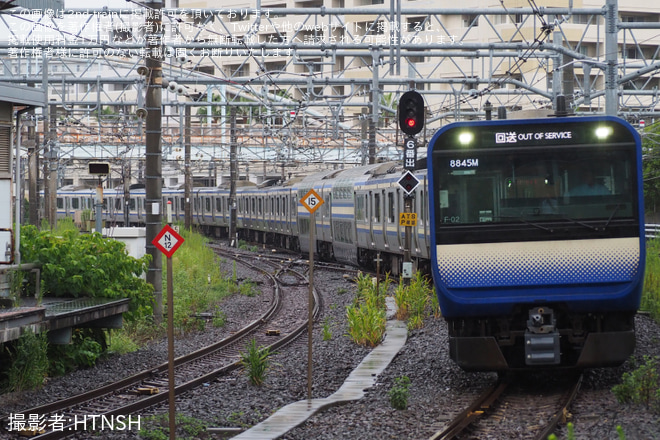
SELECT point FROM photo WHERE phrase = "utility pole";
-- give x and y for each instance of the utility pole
(233, 172)
(32, 170)
(153, 177)
(52, 167)
(188, 172)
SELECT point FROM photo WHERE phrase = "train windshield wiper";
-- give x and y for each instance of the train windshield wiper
(614, 211)
(522, 219)
(578, 222)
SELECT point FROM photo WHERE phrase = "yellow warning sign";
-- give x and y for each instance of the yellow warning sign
(408, 219)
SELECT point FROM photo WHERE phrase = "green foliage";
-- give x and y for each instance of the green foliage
(256, 363)
(188, 428)
(198, 283)
(29, 362)
(88, 265)
(640, 386)
(651, 166)
(366, 316)
(327, 332)
(651, 295)
(412, 300)
(84, 350)
(570, 434)
(219, 318)
(121, 342)
(400, 393)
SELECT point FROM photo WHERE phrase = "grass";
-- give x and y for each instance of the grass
(651, 295)
(256, 362)
(413, 300)
(366, 316)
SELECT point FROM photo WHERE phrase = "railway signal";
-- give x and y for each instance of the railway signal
(411, 112)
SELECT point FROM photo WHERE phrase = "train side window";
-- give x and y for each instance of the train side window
(390, 207)
(377, 208)
(207, 204)
(75, 203)
(60, 203)
(260, 206)
(131, 204)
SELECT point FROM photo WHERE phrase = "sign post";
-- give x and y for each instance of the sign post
(168, 241)
(311, 201)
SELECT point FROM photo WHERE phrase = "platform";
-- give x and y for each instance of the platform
(59, 316)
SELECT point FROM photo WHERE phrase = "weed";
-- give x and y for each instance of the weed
(412, 300)
(327, 333)
(366, 316)
(29, 365)
(219, 319)
(400, 392)
(158, 428)
(640, 386)
(255, 361)
(121, 342)
(651, 294)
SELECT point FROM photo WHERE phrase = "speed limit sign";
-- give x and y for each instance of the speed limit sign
(312, 201)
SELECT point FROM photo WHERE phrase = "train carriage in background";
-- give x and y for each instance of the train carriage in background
(537, 240)
(532, 229)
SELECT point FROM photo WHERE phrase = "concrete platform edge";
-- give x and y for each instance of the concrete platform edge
(362, 378)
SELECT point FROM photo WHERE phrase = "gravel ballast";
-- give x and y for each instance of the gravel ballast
(437, 391)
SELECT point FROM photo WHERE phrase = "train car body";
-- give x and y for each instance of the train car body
(537, 239)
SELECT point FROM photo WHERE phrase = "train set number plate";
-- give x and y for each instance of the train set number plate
(311, 201)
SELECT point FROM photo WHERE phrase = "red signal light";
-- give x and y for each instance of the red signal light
(410, 122)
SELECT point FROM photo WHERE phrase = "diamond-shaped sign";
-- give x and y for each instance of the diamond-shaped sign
(312, 201)
(168, 241)
(408, 182)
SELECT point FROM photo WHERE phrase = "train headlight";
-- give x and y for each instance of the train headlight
(604, 132)
(465, 138)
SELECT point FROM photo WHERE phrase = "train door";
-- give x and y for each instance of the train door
(377, 223)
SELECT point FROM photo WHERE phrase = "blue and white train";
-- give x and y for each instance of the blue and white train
(533, 231)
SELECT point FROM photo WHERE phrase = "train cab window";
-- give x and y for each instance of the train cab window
(390, 207)
(60, 203)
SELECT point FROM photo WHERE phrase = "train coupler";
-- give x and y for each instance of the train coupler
(542, 338)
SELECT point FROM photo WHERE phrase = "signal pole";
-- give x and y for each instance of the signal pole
(154, 173)
(411, 122)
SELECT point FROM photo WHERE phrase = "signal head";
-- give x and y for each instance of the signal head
(411, 112)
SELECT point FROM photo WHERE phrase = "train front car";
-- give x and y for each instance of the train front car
(537, 241)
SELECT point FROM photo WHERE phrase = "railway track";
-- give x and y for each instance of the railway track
(283, 322)
(537, 408)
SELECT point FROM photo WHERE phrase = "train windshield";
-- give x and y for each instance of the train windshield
(559, 189)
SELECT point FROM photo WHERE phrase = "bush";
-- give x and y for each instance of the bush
(88, 265)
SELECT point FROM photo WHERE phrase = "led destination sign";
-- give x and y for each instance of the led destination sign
(501, 134)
